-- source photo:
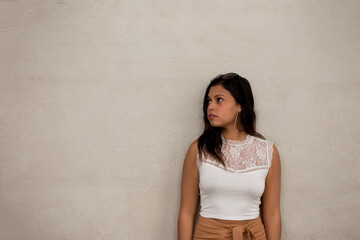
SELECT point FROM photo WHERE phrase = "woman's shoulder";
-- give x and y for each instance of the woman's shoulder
(192, 153)
(193, 147)
(269, 147)
(266, 143)
(259, 139)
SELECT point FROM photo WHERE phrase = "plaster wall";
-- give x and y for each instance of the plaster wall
(99, 101)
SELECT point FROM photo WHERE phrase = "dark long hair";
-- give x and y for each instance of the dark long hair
(210, 141)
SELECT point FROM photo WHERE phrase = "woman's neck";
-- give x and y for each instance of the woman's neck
(236, 136)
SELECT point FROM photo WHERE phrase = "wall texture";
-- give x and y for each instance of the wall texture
(99, 101)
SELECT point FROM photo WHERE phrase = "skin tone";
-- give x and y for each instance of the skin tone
(224, 106)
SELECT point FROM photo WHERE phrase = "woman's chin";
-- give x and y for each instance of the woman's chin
(214, 124)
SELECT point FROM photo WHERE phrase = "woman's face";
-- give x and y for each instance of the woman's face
(223, 105)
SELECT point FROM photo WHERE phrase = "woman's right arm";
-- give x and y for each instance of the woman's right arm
(189, 194)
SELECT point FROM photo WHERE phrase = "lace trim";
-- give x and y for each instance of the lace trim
(233, 170)
(243, 156)
(236, 142)
(270, 147)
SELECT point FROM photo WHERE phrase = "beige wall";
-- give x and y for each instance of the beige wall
(99, 101)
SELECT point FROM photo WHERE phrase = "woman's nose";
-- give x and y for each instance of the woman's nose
(210, 106)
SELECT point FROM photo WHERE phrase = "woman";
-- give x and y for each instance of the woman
(231, 169)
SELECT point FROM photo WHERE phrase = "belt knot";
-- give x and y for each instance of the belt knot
(239, 231)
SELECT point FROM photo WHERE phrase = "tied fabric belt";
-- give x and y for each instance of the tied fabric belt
(221, 229)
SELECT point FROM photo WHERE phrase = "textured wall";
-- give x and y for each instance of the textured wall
(99, 101)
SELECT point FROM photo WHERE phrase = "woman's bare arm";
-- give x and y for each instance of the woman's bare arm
(189, 194)
(271, 199)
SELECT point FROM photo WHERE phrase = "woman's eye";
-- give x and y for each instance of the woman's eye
(217, 99)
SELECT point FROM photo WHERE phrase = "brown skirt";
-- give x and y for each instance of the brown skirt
(221, 229)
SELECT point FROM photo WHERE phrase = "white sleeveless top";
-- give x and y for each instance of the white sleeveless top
(234, 193)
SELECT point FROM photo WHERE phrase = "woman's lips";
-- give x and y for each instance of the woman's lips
(212, 116)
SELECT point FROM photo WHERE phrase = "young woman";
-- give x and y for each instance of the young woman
(231, 169)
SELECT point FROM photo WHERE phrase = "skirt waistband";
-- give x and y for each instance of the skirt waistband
(212, 228)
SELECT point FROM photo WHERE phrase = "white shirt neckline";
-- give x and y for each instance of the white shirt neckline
(236, 142)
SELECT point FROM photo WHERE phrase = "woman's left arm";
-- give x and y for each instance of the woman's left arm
(271, 199)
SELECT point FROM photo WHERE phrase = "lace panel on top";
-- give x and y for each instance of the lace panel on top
(242, 156)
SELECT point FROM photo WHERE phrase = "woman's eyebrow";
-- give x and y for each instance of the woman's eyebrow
(216, 95)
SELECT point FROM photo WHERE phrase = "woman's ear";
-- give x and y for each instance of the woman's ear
(238, 107)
